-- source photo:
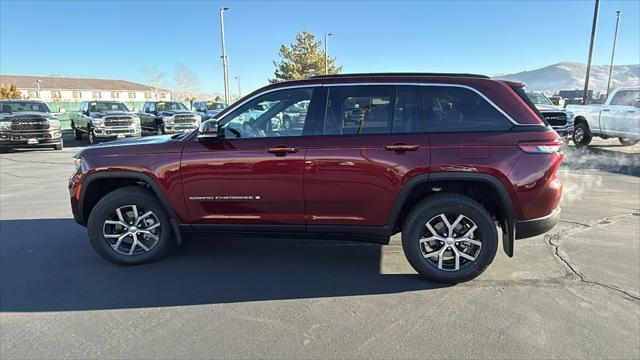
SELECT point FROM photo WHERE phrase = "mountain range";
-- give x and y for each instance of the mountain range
(570, 76)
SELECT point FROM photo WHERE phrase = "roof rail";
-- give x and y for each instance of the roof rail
(400, 74)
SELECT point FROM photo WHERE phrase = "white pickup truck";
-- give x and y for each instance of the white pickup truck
(618, 117)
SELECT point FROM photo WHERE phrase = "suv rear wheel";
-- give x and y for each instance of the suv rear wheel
(449, 238)
(129, 226)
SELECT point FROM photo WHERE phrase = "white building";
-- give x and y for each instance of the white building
(68, 89)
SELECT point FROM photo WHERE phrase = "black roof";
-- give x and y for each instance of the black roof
(415, 74)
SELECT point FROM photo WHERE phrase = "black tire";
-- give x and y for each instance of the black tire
(59, 146)
(627, 142)
(4, 150)
(92, 136)
(133, 195)
(450, 204)
(581, 135)
(77, 134)
(160, 130)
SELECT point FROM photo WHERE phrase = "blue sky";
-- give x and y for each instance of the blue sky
(118, 39)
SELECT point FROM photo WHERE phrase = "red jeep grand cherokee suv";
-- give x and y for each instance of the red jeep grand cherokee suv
(443, 158)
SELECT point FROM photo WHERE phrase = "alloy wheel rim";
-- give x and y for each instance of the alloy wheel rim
(579, 134)
(129, 233)
(450, 246)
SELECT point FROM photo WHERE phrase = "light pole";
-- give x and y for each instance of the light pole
(326, 56)
(585, 99)
(225, 60)
(239, 90)
(613, 52)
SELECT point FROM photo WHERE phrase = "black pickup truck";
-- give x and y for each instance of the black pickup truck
(28, 123)
(167, 117)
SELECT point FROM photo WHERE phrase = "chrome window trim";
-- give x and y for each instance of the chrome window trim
(478, 92)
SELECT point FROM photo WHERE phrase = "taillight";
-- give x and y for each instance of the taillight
(541, 147)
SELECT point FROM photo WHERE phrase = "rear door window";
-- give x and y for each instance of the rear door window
(356, 110)
(626, 97)
(458, 109)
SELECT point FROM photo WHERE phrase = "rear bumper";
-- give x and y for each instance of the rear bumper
(534, 227)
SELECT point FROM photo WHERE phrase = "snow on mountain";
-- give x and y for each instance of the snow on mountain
(570, 76)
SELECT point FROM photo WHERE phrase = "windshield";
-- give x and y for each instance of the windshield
(107, 106)
(539, 99)
(216, 106)
(23, 106)
(170, 105)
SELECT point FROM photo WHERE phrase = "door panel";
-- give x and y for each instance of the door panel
(621, 118)
(354, 180)
(240, 181)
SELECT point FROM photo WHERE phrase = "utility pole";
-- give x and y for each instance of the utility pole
(585, 99)
(239, 90)
(613, 52)
(225, 60)
(326, 56)
(38, 86)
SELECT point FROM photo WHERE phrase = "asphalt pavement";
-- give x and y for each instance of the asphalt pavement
(572, 293)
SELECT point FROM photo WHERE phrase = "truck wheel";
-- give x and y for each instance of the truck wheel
(92, 136)
(160, 130)
(59, 146)
(581, 135)
(287, 124)
(77, 134)
(627, 142)
(129, 226)
(449, 238)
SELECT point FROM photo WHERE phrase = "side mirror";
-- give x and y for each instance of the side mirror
(637, 103)
(209, 130)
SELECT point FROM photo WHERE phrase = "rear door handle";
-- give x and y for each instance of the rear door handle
(401, 147)
(282, 150)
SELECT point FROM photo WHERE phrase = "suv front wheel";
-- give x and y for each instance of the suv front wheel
(129, 226)
(449, 238)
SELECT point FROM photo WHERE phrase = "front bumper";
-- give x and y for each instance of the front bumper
(30, 138)
(565, 132)
(534, 227)
(116, 132)
(178, 128)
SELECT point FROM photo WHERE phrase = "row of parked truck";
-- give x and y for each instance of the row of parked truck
(29, 123)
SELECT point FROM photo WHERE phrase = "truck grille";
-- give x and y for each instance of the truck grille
(118, 121)
(27, 124)
(184, 119)
(555, 118)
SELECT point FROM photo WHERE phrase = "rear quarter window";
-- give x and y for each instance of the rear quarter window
(457, 109)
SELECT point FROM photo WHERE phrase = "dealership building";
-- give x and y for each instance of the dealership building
(73, 89)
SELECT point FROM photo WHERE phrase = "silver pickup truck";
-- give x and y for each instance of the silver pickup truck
(104, 120)
(618, 117)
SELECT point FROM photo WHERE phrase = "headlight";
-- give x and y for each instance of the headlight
(136, 120)
(54, 123)
(198, 119)
(5, 125)
(570, 116)
(78, 162)
(167, 119)
(97, 122)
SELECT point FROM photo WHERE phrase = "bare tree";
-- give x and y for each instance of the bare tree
(156, 79)
(185, 82)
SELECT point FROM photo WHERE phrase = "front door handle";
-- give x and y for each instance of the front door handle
(401, 147)
(282, 150)
(605, 110)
